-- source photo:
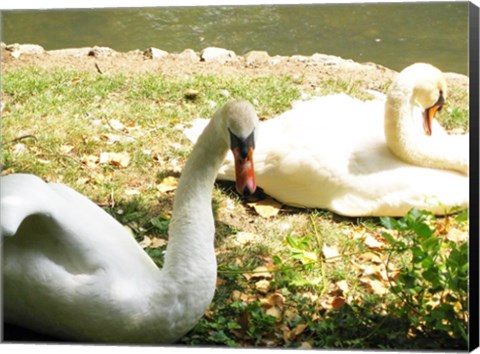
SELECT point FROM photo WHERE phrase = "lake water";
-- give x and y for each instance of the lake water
(391, 34)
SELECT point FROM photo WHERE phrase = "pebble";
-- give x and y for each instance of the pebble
(219, 55)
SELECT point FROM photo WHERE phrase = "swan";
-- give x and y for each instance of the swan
(72, 271)
(380, 157)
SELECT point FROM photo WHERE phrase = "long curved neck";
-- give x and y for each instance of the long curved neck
(406, 139)
(190, 255)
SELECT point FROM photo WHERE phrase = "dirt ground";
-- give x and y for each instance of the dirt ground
(307, 71)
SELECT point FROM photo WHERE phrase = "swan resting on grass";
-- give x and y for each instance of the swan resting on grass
(380, 157)
(73, 272)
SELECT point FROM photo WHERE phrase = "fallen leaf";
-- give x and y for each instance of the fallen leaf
(158, 242)
(343, 285)
(266, 208)
(305, 345)
(261, 272)
(243, 238)
(110, 138)
(65, 149)
(337, 302)
(116, 124)
(262, 286)
(120, 159)
(372, 243)
(299, 329)
(308, 257)
(375, 286)
(146, 242)
(132, 192)
(168, 184)
(330, 252)
(90, 160)
(275, 312)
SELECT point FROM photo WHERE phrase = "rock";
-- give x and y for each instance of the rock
(191, 94)
(74, 52)
(101, 52)
(25, 48)
(154, 53)
(299, 58)
(257, 58)
(277, 59)
(219, 55)
(189, 54)
(18, 49)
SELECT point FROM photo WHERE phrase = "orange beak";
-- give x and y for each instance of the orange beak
(428, 116)
(244, 172)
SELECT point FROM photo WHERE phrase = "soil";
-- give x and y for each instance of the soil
(307, 71)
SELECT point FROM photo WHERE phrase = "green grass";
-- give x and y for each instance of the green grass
(53, 121)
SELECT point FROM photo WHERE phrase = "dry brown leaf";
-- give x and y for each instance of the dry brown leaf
(146, 242)
(266, 208)
(375, 286)
(372, 243)
(168, 184)
(337, 302)
(261, 272)
(158, 242)
(119, 159)
(90, 160)
(275, 312)
(299, 329)
(343, 285)
(65, 149)
(305, 345)
(110, 138)
(116, 124)
(262, 286)
(456, 235)
(330, 252)
(333, 302)
(243, 238)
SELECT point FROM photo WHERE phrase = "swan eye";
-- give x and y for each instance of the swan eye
(440, 102)
(243, 145)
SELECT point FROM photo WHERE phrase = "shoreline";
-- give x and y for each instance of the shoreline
(306, 70)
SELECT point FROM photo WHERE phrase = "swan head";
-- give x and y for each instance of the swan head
(429, 92)
(240, 122)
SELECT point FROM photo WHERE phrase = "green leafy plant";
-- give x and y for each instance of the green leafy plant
(432, 281)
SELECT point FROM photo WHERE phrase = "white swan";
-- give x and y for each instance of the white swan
(71, 271)
(332, 152)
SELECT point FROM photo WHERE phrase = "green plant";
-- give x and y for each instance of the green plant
(432, 281)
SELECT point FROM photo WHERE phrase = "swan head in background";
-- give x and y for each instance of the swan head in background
(418, 92)
(429, 90)
(241, 122)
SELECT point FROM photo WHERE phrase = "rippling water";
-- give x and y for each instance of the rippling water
(391, 34)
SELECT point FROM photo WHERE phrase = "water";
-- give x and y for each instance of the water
(391, 34)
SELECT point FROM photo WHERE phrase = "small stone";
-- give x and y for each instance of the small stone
(74, 52)
(191, 94)
(189, 54)
(256, 58)
(25, 48)
(154, 53)
(101, 52)
(220, 55)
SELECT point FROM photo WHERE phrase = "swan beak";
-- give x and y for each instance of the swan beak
(428, 116)
(429, 113)
(244, 172)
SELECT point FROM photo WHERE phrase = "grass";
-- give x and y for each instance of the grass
(277, 285)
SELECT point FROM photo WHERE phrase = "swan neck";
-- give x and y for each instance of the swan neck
(191, 232)
(407, 140)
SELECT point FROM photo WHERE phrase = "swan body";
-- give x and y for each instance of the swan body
(72, 271)
(342, 154)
